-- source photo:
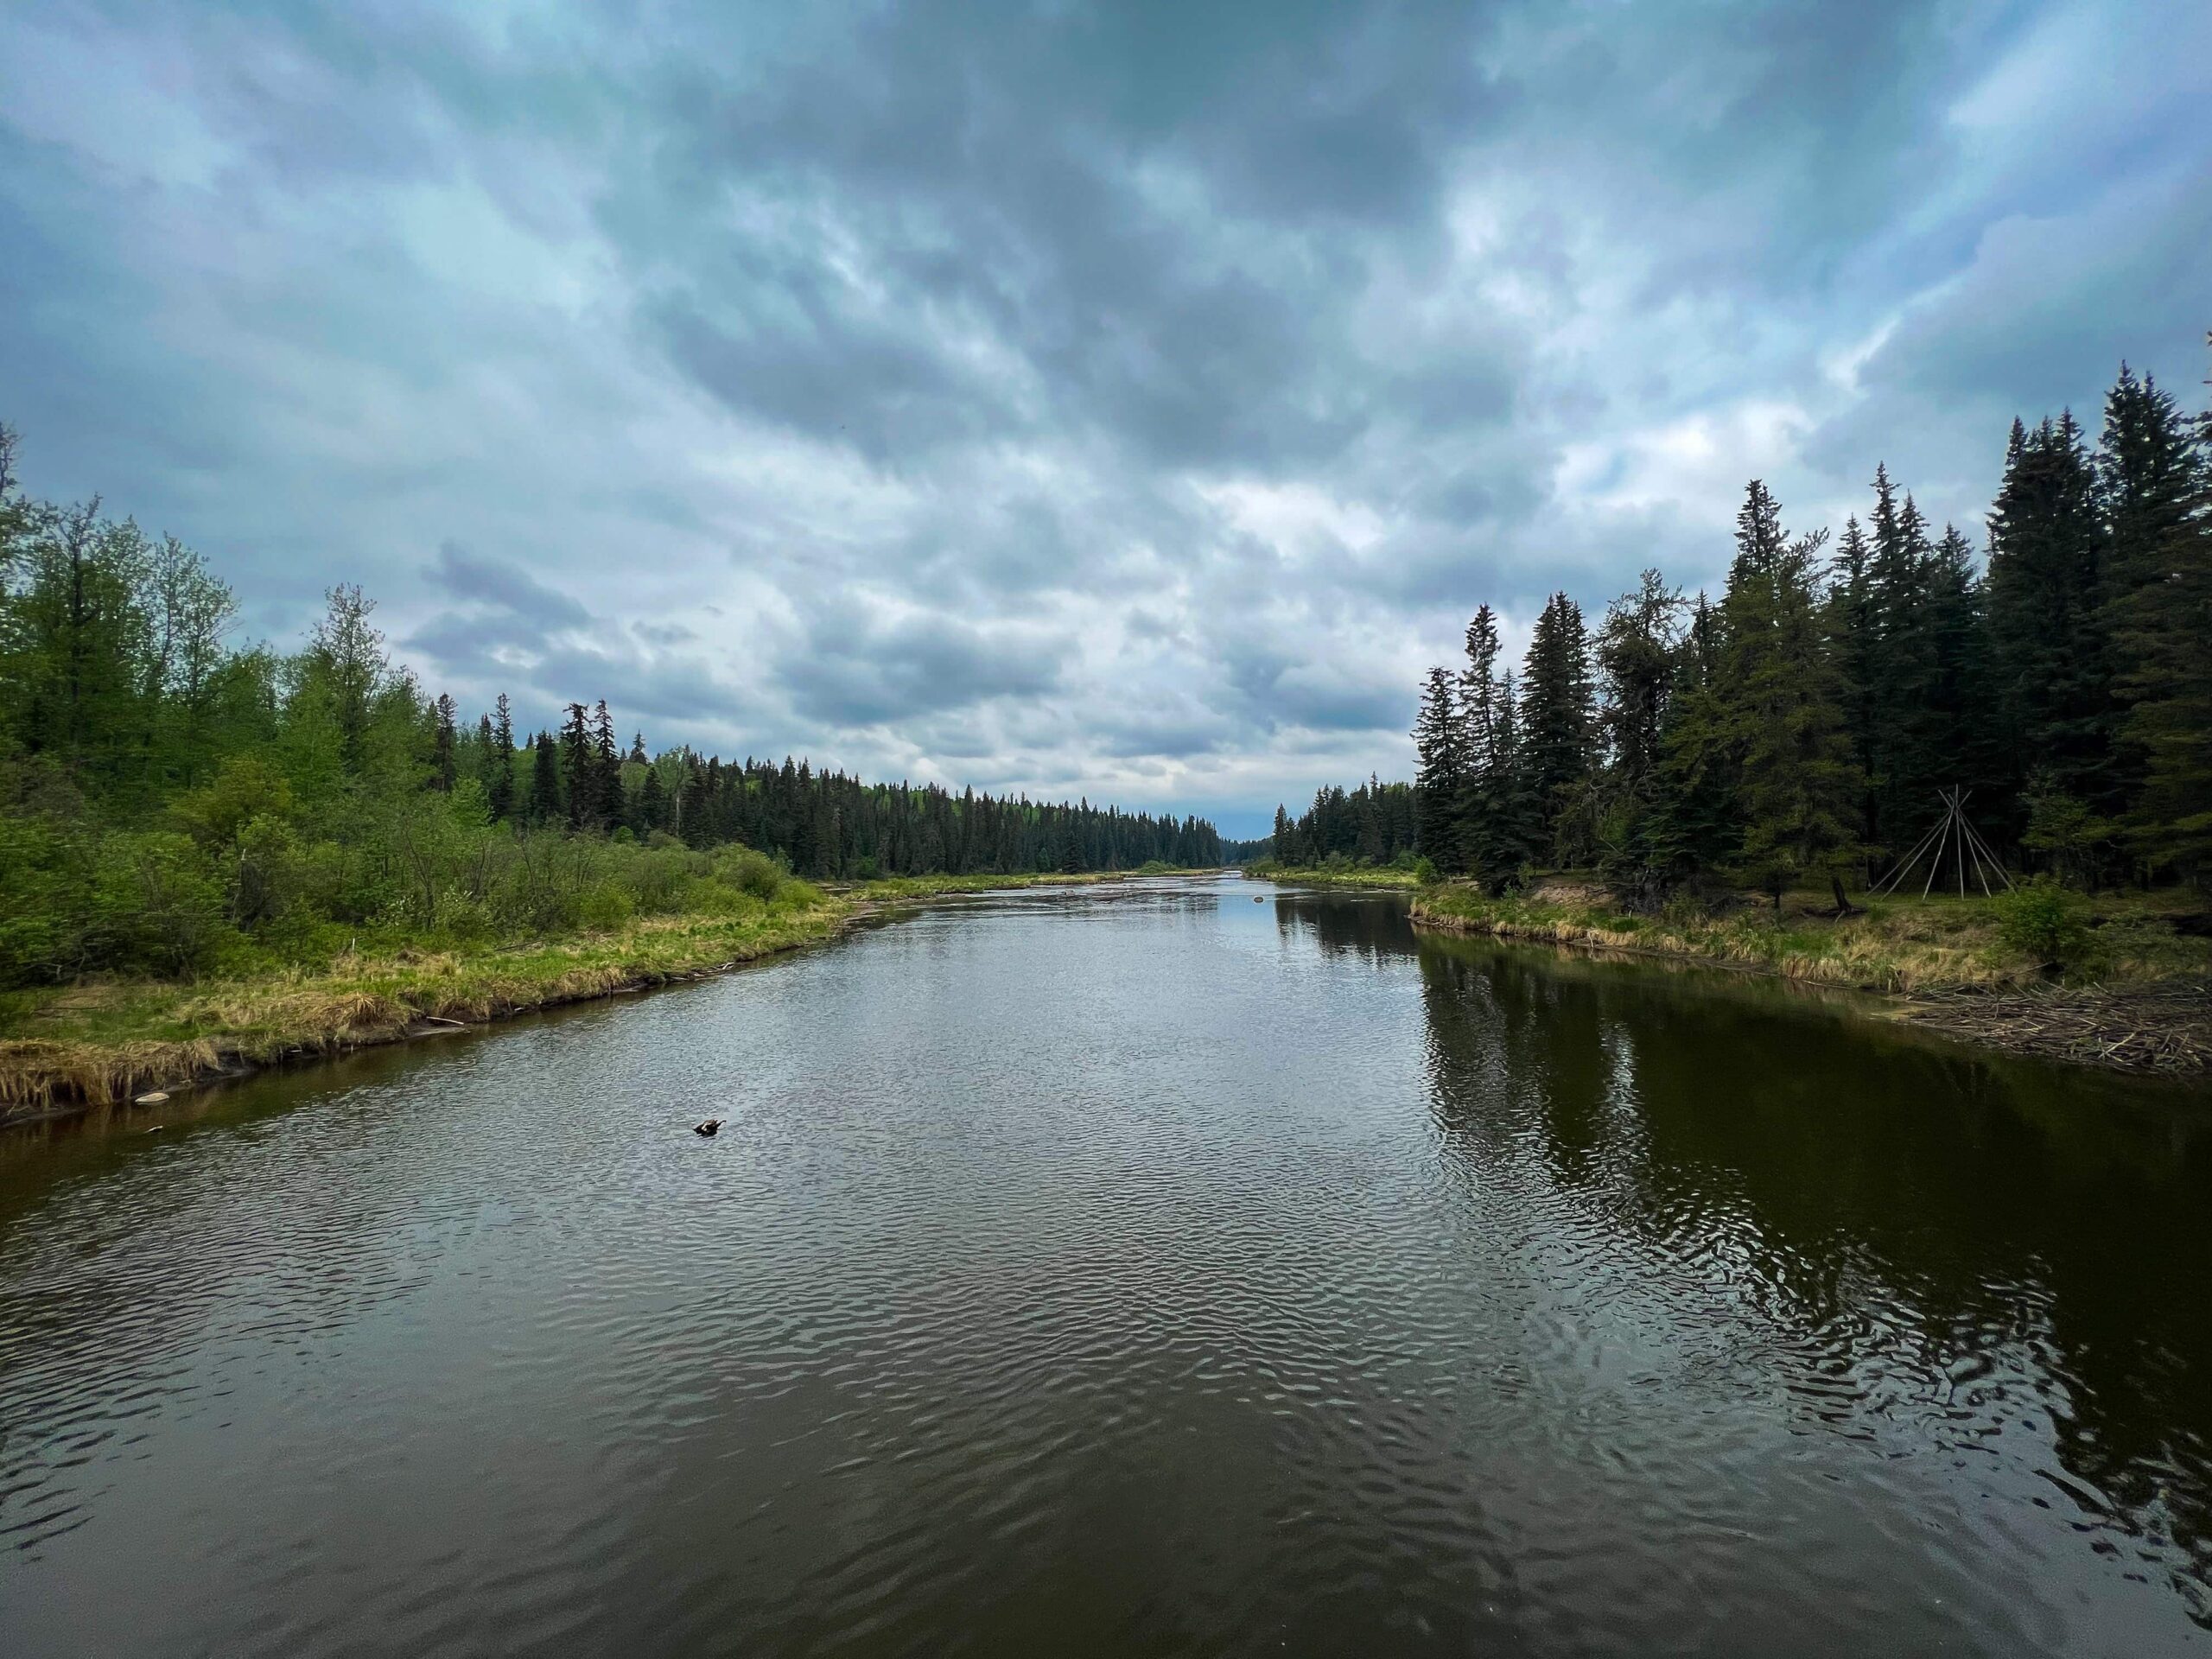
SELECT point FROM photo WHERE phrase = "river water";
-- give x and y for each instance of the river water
(1131, 1271)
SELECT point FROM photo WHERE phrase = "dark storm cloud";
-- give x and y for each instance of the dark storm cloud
(1133, 397)
(507, 587)
(849, 668)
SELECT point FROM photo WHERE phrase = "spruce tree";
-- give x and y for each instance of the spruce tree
(1483, 849)
(1637, 646)
(1556, 747)
(444, 744)
(2047, 620)
(1800, 783)
(1695, 824)
(1893, 748)
(545, 805)
(607, 768)
(1440, 771)
(500, 787)
(579, 768)
(1852, 625)
(2158, 613)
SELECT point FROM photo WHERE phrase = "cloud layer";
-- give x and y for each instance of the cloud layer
(1127, 399)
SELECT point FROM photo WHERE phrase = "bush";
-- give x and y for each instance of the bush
(1424, 869)
(2045, 922)
(751, 873)
(158, 907)
(73, 902)
(607, 906)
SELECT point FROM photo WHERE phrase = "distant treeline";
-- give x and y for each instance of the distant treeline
(1800, 726)
(167, 799)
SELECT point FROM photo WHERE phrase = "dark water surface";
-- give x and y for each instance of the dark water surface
(1137, 1272)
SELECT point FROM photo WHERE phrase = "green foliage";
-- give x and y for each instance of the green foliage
(2062, 827)
(2045, 922)
(169, 805)
(1803, 730)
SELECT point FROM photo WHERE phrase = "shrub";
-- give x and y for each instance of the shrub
(750, 871)
(2045, 922)
(606, 905)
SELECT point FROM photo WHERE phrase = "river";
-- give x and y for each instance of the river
(1141, 1270)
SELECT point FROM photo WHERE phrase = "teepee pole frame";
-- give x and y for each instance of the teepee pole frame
(1953, 835)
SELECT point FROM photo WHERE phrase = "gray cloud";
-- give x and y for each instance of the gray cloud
(1123, 398)
(506, 586)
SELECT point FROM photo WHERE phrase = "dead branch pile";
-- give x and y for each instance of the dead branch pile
(2165, 1028)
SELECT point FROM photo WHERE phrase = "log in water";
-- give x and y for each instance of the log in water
(1119, 1272)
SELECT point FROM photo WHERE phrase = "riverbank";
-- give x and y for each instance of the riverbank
(103, 1042)
(99, 1043)
(1365, 875)
(2138, 997)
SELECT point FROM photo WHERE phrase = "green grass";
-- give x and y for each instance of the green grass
(1347, 875)
(109, 1040)
(104, 1041)
(1900, 944)
(890, 889)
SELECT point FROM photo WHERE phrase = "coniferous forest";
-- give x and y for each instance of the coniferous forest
(170, 802)
(1799, 727)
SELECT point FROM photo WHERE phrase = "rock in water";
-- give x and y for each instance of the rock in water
(159, 1097)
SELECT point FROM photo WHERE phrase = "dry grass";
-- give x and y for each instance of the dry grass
(89, 1044)
(1370, 876)
(1898, 945)
(2139, 1000)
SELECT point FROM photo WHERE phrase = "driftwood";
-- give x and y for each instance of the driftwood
(2164, 1029)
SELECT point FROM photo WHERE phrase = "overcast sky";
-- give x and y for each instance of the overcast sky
(1127, 399)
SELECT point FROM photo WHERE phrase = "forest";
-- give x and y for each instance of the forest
(172, 803)
(1799, 729)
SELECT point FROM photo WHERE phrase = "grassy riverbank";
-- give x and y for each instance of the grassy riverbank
(1354, 875)
(2117, 982)
(894, 888)
(106, 1040)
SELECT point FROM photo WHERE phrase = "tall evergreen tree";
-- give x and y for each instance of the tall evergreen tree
(1484, 838)
(1694, 825)
(2158, 497)
(1637, 646)
(445, 756)
(607, 768)
(1556, 750)
(1801, 784)
(1440, 771)
(500, 786)
(2047, 621)
(1852, 627)
(545, 802)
